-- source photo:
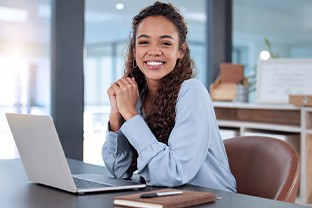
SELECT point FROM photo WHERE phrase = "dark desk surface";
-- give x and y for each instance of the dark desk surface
(17, 191)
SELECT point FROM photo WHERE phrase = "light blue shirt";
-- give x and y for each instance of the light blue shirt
(195, 153)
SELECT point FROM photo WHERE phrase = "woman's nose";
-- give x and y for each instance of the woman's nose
(155, 51)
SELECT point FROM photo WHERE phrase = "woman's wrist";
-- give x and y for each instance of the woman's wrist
(115, 121)
(129, 115)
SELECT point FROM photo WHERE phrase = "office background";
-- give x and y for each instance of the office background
(59, 57)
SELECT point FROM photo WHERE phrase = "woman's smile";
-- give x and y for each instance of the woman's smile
(154, 65)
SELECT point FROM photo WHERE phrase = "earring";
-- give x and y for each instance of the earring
(134, 64)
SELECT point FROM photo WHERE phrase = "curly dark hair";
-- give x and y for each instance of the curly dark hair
(161, 119)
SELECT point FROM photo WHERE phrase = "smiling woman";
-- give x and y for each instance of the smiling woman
(162, 121)
(105, 42)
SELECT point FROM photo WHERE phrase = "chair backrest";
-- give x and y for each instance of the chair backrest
(264, 167)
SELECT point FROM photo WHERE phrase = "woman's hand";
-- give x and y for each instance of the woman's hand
(123, 95)
(115, 118)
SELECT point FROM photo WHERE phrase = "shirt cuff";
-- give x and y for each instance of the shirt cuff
(118, 143)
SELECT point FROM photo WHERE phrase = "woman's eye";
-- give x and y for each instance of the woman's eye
(166, 44)
(143, 42)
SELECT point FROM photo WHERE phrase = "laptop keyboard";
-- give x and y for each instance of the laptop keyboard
(83, 183)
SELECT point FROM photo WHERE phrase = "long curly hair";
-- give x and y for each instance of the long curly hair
(161, 119)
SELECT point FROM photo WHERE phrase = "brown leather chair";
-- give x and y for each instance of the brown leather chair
(264, 167)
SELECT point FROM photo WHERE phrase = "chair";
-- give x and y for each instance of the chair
(264, 167)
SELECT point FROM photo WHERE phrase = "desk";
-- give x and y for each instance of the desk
(17, 192)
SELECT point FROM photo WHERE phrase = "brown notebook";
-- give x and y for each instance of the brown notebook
(185, 199)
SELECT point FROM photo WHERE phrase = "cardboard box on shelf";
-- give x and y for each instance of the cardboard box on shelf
(300, 100)
(224, 88)
(223, 91)
(233, 73)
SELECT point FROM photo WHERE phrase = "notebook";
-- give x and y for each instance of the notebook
(185, 198)
(44, 160)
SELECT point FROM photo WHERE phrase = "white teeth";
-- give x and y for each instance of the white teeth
(155, 63)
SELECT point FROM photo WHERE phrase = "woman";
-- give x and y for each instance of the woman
(162, 121)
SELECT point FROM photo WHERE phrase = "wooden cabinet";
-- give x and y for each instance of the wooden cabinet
(291, 121)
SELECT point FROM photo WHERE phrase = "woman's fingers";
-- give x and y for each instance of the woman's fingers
(124, 84)
(126, 93)
(127, 82)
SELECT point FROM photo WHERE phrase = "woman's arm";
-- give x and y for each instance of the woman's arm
(117, 155)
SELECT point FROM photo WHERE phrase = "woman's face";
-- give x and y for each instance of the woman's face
(157, 48)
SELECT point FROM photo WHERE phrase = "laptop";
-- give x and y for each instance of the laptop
(44, 160)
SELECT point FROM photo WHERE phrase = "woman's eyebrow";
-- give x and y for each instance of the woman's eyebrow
(143, 36)
(167, 36)
(162, 37)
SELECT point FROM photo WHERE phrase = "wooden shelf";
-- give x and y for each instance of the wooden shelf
(286, 120)
(260, 126)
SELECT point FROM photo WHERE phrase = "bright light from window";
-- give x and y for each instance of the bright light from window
(13, 70)
(120, 6)
(13, 14)
(264, 55)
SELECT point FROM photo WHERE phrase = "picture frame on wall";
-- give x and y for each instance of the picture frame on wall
(276, 79)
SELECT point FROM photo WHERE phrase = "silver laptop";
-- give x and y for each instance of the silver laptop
(45, 162)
